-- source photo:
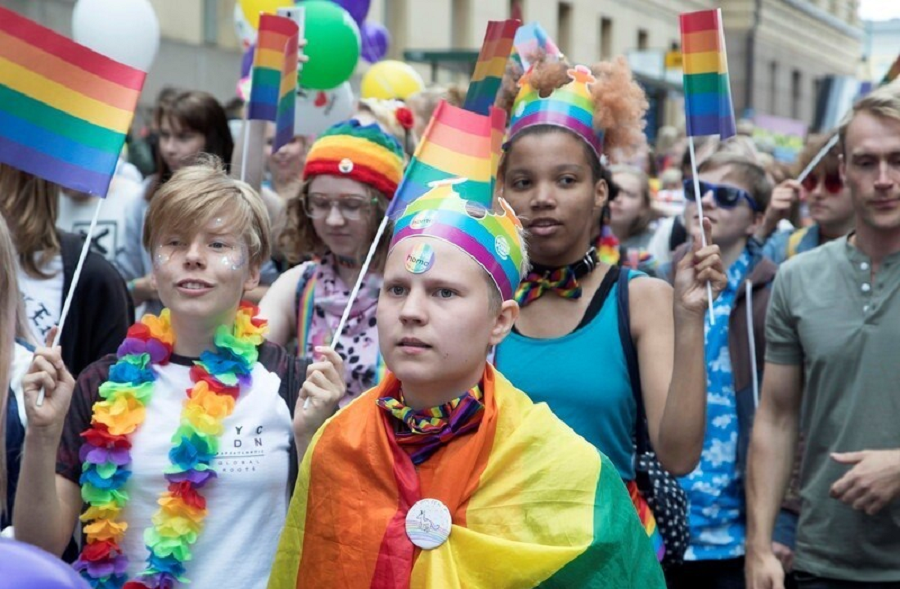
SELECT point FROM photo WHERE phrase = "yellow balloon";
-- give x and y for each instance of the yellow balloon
(391, 79)
(252, 8)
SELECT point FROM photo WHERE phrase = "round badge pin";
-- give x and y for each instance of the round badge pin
(428, 524)
(501, 246)
(345, 166)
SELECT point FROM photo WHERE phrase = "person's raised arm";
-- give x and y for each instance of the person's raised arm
(47, 505)
(771, 457)
(668, 332)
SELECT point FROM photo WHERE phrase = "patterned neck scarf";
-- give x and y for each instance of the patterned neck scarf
(561, 281)
(423, 432)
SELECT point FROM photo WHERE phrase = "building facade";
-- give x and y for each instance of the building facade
(778, 50)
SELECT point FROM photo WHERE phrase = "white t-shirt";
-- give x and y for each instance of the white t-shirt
(43, 298)
(247, 503)
(109, 236)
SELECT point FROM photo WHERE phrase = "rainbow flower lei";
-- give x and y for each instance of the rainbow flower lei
(106, 454)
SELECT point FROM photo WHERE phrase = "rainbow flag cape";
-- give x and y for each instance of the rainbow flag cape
(64, 109)
(274, 78)
(531, 39)
(532, 505)
(707, 92)
(498, 42)
(456, 144)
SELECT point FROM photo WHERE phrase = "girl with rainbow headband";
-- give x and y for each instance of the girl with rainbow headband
(554, 174)
(178, 453)
(351, 173)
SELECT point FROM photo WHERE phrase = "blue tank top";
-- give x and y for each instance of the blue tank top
(583, 377)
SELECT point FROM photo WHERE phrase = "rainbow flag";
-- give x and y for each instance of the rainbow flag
(456, 144)
(530, 40)
(892, 73)
(498, 42)
(274, 78)
(64, 109)
(531, 504)
(707, 92)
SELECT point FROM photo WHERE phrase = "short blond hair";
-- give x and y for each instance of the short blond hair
(883, 103)
(201, 191)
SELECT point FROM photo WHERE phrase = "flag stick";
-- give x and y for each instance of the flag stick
(815, 161)
(68, 302)
(355, 292)
(698, 199)
(748, 299)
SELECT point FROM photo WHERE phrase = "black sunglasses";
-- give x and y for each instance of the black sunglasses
(726, 196)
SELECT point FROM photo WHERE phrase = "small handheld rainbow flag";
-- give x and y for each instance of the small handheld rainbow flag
(64, 109)
(456, 144)
(707, 92)
(274, 78)
(498, 42)
(530, 40)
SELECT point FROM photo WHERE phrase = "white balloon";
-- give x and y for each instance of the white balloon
(124, 30)
(317, 110)
(245, 32)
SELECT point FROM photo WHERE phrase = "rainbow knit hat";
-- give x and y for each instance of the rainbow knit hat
(570, 106)
(493, 240)
(362, 153)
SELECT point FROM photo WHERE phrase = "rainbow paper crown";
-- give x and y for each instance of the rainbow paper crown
(494, 240)
(570, 106)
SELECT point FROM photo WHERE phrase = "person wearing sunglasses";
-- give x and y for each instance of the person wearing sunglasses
(351, 173)
(735, 192)
(828, 201)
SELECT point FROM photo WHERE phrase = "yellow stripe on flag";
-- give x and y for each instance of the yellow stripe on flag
(64, 98)
(711, 62)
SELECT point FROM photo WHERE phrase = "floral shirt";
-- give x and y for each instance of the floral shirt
(716, 487)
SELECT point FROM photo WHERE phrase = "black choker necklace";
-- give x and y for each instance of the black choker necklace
(346, 262)
(580, 269)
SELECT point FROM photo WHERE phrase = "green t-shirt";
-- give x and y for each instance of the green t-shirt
(828, 314)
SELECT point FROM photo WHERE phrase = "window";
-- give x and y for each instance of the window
(515, 10)
(210, 22)
(773, 87)
(795, 93)
(605, 38)
(642, 39)
(459, 24)
(564, 24)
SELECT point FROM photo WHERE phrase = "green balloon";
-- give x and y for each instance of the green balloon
(332, 46)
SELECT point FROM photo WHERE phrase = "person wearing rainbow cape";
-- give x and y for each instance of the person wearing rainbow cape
(445, 475)
(619, 341)
(179, 452)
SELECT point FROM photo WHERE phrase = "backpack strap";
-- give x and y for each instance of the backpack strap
(642, 436)
(306, 290)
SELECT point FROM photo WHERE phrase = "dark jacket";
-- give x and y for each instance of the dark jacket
(101, 312)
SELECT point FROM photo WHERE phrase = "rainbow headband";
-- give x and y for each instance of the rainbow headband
(491, 239)
(570, 106)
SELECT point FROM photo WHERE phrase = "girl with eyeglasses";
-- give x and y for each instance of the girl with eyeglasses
(351, 173)
(824, 195)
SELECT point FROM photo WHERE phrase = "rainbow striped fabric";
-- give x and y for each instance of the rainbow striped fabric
(64, 109)
(274, 78)
(532, 505)
(456, 144)
(531, 39)
(498, 42)
(892, 73)
(707, 92)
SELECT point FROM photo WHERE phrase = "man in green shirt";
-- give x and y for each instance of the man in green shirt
(833, 370)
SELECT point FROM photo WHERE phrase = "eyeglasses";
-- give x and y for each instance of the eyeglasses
(725, 196)
(832, 182)
(352, 207)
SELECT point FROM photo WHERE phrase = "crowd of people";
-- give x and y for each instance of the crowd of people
(587, 384)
